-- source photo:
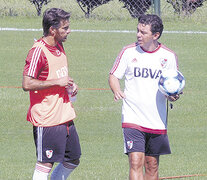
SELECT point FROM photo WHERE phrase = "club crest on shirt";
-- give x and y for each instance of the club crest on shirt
(58, 52)
(163, 62)
(49, 153)
(129, 144)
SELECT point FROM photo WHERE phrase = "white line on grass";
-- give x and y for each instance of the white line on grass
(18, 29)
(105, 31)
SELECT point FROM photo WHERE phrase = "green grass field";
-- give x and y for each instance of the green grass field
(91, 56)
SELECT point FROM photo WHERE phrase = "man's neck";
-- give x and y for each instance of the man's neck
(152, 47)
(50, 40)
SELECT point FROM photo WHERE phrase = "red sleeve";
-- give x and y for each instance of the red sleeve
(35, 63)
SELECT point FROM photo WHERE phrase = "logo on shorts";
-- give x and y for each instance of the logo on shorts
(129, 144)
(49, 153)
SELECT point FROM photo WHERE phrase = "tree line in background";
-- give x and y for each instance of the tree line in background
(135, 7)
(186, 6)
(38, 5)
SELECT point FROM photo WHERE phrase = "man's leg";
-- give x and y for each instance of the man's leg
(42, 171)
(72, 155)
(136, 164)
(63, 170)
(50, 147)
(151, 167)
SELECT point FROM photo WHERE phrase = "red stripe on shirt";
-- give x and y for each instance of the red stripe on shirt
(166, 48)
(116, 64)
(34, 61)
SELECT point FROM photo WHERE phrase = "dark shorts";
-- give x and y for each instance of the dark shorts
(57, 144)
(150, 144)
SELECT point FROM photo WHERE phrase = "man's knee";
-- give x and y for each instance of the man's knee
(151, 165)
(136, 160)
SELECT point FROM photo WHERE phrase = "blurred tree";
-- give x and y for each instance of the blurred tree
(136, 7)
(186, 6)
(38, 5)
(87, 6)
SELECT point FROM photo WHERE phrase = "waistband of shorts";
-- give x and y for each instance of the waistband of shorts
(70, 123)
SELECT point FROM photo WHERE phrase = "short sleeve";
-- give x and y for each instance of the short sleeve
(120, 65)
(34, 62)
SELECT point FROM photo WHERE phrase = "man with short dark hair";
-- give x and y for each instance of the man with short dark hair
(46, 77)
(144, 111)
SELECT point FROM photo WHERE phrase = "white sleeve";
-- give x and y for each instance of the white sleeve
(173, 63)
(120, 65)
(172, 57)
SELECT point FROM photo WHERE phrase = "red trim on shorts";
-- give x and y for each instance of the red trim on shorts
(144, 129)
(68, 129)
(69, 123)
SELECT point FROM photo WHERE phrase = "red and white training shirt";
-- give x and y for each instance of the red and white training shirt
(51, 106)
(144, 107)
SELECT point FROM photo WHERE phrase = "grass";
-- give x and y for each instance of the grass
(98, 122)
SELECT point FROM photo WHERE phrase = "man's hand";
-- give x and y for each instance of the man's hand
(115, 87)
(119, 95)
(72, 89)
(75, 89)
(174, 97)
(65, 81)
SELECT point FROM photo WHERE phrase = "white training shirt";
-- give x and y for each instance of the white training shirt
(144, 107)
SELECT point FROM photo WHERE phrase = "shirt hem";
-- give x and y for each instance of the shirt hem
(144, 129)
(51, 125)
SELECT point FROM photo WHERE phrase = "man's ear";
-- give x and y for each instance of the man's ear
(52, 31)
(156, 35)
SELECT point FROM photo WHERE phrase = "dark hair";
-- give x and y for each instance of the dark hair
(153, 20)
(53, 17)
